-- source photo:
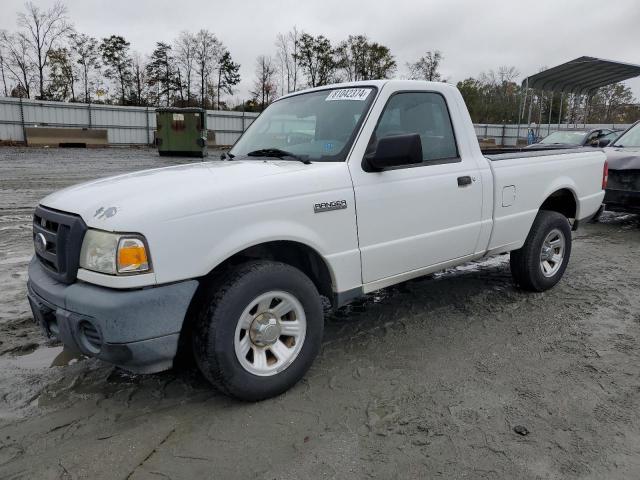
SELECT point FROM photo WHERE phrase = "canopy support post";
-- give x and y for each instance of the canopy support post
(550, 110)
(560, 113)
(539, 126)
(523, 104)
(587, 107)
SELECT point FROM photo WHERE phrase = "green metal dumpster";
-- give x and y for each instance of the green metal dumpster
(181, 131)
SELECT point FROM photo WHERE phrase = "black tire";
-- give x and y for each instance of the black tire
(215, 328)
(525, 262)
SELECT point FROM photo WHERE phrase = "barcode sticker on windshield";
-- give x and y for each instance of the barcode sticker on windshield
(359, 94)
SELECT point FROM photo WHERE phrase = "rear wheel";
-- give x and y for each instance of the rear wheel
(259, 331)
(543, 258)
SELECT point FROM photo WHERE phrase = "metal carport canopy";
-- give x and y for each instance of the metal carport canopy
(582, 75)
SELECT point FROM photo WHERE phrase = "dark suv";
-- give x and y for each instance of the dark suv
(623, 188)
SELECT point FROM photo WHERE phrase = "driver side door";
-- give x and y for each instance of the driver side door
(416, 216)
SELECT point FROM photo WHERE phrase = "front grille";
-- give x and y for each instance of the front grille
(624, 180)
(57, 239)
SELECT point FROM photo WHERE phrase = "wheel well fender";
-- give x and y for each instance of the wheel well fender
(563, 201)
(293, 253)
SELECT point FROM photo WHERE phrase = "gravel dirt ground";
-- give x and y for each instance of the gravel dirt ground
(428, 379)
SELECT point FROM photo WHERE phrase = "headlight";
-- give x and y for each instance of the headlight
(114, 253)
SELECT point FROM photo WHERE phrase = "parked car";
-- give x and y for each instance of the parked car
(609, 138)
(572, 139)
(623, 155)
(229, 259)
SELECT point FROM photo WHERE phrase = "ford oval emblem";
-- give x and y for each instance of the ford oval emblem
(40, 243)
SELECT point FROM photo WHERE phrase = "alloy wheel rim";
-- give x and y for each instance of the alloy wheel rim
(552, 252)
(270, 333)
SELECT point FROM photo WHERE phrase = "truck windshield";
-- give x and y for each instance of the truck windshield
(630, 138)
(315, 126)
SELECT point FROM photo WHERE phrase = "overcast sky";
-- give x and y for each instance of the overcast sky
(474, 36)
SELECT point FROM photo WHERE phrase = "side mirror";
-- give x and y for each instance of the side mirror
(604, 142)
(395, 151)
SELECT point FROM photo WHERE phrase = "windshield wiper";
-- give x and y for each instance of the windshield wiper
(277, 153)
(227, 156)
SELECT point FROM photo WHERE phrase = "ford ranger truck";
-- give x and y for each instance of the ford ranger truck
(332, 192)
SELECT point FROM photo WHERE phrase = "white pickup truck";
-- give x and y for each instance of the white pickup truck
(335, 191)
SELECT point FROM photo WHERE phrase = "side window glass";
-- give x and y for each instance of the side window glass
(593, 137)
(423, 113)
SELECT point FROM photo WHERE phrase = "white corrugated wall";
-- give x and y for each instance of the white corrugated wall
(125, 125)
(10, 126)
(135, 125)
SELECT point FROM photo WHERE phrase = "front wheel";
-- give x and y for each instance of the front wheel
(259, 331)
(543, 258)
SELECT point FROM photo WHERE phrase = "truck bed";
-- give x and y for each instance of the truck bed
(498, 154)
(524, 182)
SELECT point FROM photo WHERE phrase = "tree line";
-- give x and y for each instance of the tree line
(46, 58)
(303, 60)
(495, 97)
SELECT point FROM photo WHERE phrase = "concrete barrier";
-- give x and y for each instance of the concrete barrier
(211, 138)
(66, 137)
(487, 142)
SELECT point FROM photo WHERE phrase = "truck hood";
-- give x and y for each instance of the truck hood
(623, 158)
(167, 193)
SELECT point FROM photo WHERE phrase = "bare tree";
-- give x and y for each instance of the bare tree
(43, 29)
(17, 60)
(426, 68)
(287, 45)
(139, 79)
(2, 67)
(207, 54)
(185, 52)
(264, 86)
(85, 49)
(507, 74)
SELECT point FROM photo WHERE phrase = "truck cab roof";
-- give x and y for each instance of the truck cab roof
(395, 84)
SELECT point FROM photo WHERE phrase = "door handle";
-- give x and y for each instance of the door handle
(464, 181)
